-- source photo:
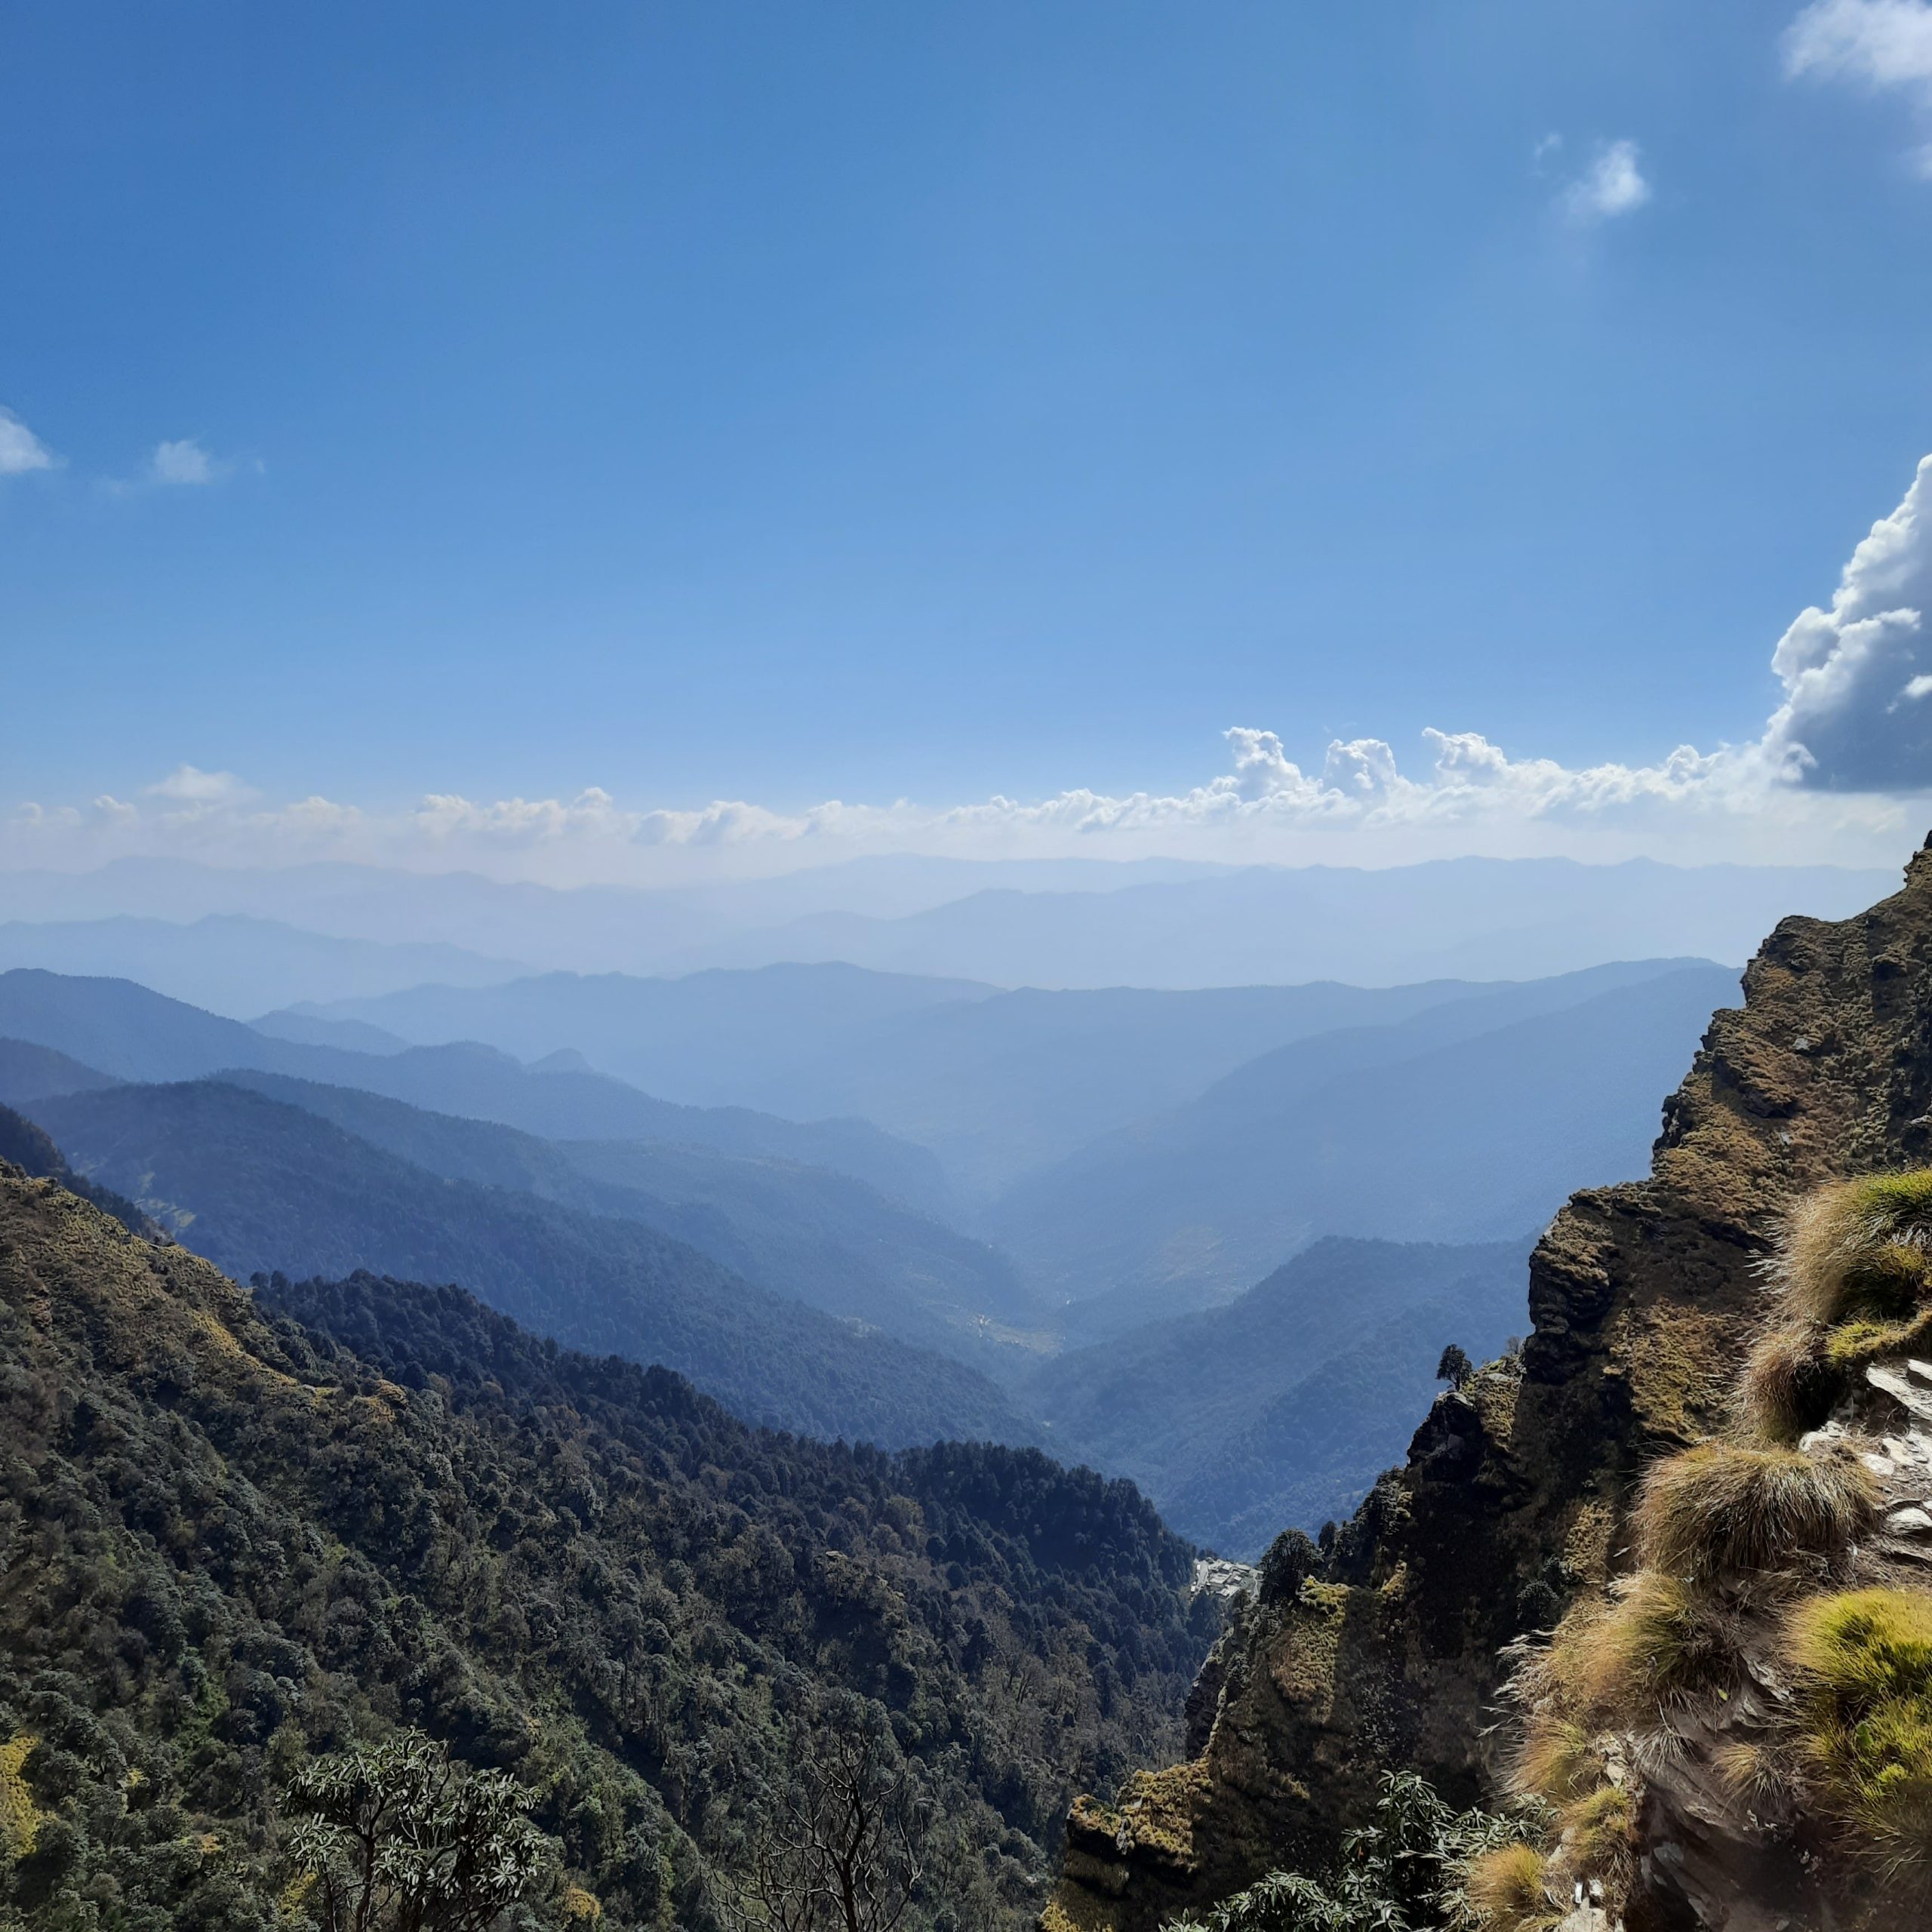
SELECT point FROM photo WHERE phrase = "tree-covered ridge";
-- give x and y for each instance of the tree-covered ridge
(232, 1543)
(255, 1184)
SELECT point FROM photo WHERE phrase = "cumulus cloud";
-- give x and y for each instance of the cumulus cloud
(20, 449)
(1841, 771)
(1612, 184)
(1856, 676)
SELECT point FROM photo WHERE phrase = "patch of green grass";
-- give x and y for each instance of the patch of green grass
(1862, 1660)
(1722, 1510)
(1854, 1343)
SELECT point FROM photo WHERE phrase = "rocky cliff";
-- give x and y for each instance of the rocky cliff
(1516, 1501)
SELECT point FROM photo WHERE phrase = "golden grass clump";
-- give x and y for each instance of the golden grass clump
(1555, 1761)
(1507, 1889)
(1790, 1385)
(1722, 1511)
(1858, 1247)
(1660, 1645)
(1862, 1660)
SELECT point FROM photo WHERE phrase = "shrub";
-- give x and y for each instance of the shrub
(1859, 1246)
(1507, 1888)
(1722, 1511)
(1863, 1662)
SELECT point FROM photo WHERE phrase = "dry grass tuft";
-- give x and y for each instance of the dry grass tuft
(1598, 1833)
(1555, 1761)
(1862, 1662)
(1754, 1770)
(1660, 1645)
(1724, 1511)
(1507, 1888)
(1789, 1385)
(1858, 1247)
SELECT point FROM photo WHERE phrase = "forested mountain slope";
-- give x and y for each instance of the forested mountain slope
(1281, 1407)
(1516, 1497)
(257, 1185)
(231, 1544)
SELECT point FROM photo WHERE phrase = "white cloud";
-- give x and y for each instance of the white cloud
(1612, 185)
(20, 449)
(1841, 772)
(1882, 43)
(182, 463)
(1852, 674)
(186, 785)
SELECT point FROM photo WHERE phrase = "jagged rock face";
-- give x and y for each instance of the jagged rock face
(1514, 1495)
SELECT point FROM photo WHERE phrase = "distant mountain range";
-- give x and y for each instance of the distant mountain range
(1472, 1121)
(582, 928)
(124, 1029)
(1155, 923)
(995, 1084)
(237, 965)
(1128, 1157)
(1122, 1139)
(828, 1239)
(1459, 918)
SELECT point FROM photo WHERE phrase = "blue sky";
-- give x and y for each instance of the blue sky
(779, 404)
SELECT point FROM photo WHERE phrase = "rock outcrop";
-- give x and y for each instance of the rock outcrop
(1515, 1497)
